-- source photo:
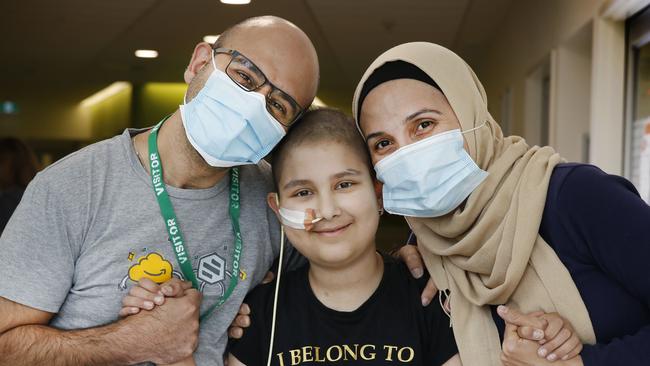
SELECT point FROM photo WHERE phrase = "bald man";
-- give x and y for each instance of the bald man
(151, 205)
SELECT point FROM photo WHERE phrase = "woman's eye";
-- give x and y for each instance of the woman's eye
(382, 144)
(424, 125)
(344, 185)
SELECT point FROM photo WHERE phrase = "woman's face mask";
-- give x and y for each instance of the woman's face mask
(418, 149)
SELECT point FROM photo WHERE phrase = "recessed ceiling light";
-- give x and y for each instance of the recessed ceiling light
(146, 53)
(210, 38)
(236, 2)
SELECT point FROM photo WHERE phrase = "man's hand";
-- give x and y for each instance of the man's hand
(556, 336)
(241, 322)
(166, 334)
(243, 318)
(147, 294)
(169, 332)
(411, 256)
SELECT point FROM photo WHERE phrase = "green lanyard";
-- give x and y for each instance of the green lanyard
(173, 229)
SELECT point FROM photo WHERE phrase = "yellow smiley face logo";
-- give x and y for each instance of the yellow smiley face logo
(153, 267)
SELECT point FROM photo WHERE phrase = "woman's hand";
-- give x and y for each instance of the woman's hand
(560, 340)
(522, 352)
(410, 255)
(553, 337)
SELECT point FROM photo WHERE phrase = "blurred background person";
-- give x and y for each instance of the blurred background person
(18, 165)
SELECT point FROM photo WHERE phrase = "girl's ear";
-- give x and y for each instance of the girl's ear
(379, 193)
(273, 202)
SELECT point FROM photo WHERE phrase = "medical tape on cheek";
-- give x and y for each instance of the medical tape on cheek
(302, 220)
(297, 219)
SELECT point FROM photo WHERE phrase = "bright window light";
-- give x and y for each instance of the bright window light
(105, 93)
(236, 2)
(211, 38)
(146, 53)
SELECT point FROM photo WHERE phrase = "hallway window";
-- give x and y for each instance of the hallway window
(638, 103)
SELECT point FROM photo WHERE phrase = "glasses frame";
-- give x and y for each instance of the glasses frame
(235, 53)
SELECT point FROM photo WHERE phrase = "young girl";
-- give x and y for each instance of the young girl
(350, 304)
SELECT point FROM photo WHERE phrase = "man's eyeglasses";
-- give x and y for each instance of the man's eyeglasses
(249, 77)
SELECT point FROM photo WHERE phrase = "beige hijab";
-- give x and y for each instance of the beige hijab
(488, 251)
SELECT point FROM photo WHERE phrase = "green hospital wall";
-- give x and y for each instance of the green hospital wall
(153, 101)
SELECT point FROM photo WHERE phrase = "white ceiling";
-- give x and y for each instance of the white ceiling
(66, 43)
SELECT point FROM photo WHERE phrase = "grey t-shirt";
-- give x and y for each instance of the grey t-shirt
(89, 226)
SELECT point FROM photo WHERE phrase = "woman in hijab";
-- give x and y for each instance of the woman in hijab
(500, 222)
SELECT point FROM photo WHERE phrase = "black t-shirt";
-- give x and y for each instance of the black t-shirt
(390, 328)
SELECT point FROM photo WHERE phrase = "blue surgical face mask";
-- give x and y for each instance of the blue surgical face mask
(229, 126)
(429, 178)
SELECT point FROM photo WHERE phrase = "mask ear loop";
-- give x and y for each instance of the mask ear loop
(277, 288)
(473, 129)
(213, 65)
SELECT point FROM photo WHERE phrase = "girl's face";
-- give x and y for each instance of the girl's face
(403, 111)
(331, 179)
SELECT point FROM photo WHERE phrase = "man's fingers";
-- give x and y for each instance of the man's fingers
(146, 296)
(128, 310)
(194, 295)
(411, 256)
(428, 293)
(244, 309)
(547, 350)
(519, 319)
(137, 302)
(242, 321)
(530, 333)
(149, 285)
(175, 287)
(235, 332)
(269, 277)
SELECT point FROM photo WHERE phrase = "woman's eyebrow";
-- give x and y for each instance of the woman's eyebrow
(421, 111)
(408, 118)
